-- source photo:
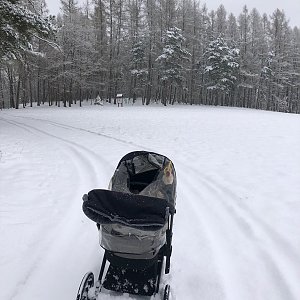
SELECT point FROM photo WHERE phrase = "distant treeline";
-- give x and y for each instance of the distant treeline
(166, 51)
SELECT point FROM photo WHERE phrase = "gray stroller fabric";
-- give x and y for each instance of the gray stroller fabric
(142, 175)
(130, 242)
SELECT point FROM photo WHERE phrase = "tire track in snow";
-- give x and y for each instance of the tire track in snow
(190, 230)
(251, 229)
(84, 160)
(282, 258)
(248, 220)
(88, 131)
(211, 220)
(241, 209)
(80, 129)
(100, 159)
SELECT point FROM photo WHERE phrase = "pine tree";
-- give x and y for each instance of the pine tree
(171, 63)
(18, 26)
(293, 92)
(111, 46)
(281, 41)
(138, 69)
(100, 60)
(221, 23)
(232, 29)
(221, 68)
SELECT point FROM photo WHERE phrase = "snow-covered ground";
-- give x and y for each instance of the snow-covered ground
(236, 231)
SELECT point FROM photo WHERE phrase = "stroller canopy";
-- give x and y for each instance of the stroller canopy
(147, 174)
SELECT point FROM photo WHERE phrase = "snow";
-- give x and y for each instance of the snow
(236, 231)
(208, 68)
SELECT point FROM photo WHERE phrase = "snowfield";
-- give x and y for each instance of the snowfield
(237, 227)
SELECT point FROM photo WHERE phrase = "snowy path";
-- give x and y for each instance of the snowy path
(245, 251)
(236, 231)
(64, 234)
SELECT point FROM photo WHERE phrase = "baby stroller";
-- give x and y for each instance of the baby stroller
(135, 219)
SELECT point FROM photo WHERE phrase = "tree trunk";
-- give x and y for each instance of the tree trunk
(11, 87)
(1, 91)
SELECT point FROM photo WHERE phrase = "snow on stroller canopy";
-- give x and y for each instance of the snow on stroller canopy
(147, 174)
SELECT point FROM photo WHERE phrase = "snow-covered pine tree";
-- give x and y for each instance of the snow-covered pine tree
(101, 45)
(221, 69)
(151, 29)
(245, 86)
(232, 28)
(221, 19)
(281, 45)
(138, 68)
(137, 40)
(116, 20)
(17, 27)
(294, 90)
(70, 38)
(21, 22)
(192, 26)
(171, 64)
(97, 49)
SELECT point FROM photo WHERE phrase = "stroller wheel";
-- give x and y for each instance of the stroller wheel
(87, 282)
(166, 292)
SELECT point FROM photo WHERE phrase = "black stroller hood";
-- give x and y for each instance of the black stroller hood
(137, 211)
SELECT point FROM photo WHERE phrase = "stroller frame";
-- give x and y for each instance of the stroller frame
(165, 251)
(138, 264)
(136, 273)
(88, 280)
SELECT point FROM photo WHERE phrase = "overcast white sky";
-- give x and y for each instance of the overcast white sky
(291, 7)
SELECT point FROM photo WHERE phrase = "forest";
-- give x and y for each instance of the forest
(164, 51)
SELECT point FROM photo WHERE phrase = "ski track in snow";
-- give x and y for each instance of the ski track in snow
(85, 162)
(222, 248)
(72, 145)
(226, 207)
(89, 131)
(87, 167)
